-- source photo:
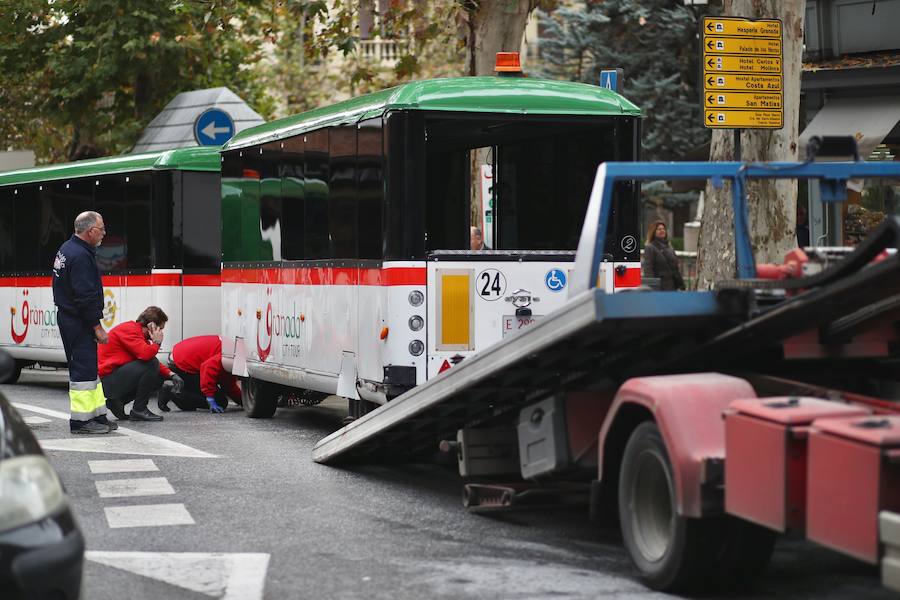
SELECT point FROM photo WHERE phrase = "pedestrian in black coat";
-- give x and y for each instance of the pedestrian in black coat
(660, 260)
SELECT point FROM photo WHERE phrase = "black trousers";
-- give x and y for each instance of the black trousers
(136, 381)
(191, 398)
(80, 347)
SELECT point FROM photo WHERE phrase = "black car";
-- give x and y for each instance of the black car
(41, 547)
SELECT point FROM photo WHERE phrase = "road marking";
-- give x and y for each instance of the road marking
(129, 488)
(31, 420)
(124, 441)
(219, 575)
(128, 465)
(147, 515)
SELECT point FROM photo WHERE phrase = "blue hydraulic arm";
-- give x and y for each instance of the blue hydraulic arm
(832, 176)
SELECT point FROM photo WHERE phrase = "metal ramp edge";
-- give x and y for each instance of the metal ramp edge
(625, 320)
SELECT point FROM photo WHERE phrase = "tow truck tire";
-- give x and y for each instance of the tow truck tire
(666, 548)
(258, 398)
(673, 552)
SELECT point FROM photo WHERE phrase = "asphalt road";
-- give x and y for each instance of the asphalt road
(259, 519)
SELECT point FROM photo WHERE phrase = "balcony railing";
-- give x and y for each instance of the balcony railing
(386, 52)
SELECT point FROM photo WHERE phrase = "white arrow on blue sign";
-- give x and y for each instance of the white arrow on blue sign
(213, 127)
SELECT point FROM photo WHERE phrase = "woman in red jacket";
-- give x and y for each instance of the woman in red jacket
(128, 366)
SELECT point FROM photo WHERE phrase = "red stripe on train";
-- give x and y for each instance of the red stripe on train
(155, 279)
(327, 276)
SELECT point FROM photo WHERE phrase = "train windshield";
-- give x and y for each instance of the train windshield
(525, 180)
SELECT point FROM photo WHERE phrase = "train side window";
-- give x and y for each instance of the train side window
(370, 189)
(315, 222)
(109, 198)
(138, 223)
(167, 227)
(27, 231)
(342, 203)
(201, 213)
(290, 166)
(270, 202)
(55, 225)
(7, 226)
(232, 251)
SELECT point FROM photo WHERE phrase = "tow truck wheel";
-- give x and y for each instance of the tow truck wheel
(663, 545)
(258, 398)
(676, 553)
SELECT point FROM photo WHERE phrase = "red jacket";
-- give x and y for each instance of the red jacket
(127, 342)
(203, 355)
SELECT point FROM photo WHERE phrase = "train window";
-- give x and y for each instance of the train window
(543, 186)
(56, 226)
(447, 206)
(7, 217)
(292, 196)
(167, 224)
(109, 196)
(342, 203)
(200, 211)
(270, 202)
(232, 251)
(138, 222)
(315, 221)
(370, 189)
(27, 231)
(251, 241)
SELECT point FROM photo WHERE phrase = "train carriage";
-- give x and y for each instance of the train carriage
(347, 265)
(162, 247)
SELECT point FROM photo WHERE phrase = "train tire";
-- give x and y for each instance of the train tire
(258, 398)
(10, 369)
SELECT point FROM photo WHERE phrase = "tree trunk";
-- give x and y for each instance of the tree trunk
(771, 203)
(495, 26)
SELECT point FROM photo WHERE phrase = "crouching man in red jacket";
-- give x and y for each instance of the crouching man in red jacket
(198, 360)
(129, 369)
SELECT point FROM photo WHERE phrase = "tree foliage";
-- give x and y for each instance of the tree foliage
(82, 78)
(655, 42)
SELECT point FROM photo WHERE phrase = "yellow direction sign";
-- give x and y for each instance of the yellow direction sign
(743, 64)
(732, 81)
(743, 73)
(751, 47)
(752, 100)
(715, 118)
(738, 26)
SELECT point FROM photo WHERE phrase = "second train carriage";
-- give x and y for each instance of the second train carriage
(162, 246)
(346, 231)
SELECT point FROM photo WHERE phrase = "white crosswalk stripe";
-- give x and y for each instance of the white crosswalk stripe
(147, 515)
(129, 465)
(129, 488)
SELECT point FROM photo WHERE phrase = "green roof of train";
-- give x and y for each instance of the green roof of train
(511, 95)
(203, 158)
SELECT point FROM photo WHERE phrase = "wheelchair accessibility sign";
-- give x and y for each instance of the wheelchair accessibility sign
(555, 280)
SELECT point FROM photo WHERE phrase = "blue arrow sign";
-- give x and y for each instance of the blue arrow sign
(611, 79)
(213, 127)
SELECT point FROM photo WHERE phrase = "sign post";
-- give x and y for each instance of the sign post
(213, 127)
(611, 79)
(743, 74)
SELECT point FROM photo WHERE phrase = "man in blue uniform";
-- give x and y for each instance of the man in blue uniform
(78, 295)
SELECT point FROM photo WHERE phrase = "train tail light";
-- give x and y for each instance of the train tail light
(454, 310)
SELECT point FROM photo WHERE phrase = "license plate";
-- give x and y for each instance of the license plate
(514, 323)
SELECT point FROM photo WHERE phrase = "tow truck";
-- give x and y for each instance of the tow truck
(707, 422)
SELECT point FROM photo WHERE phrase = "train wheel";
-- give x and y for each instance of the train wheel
(259, 398)
(10, 369)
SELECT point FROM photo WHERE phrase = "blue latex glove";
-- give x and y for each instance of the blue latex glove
(213, 407)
